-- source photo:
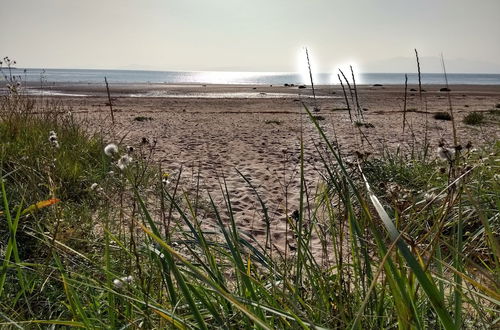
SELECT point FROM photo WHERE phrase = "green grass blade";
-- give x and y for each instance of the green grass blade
(206, 280)
(428, 286)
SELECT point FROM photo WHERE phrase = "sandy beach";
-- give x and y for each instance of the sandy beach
(213, 131)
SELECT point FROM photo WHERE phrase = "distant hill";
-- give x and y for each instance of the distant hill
(430, 64)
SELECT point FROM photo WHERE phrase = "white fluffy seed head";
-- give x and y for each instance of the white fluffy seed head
(446, 153)
(429, 196)
(111, 149)
(124, 161)
(120, 282)
(94, 186)
(53, 139)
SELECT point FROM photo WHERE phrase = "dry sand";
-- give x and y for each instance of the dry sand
(257, 131)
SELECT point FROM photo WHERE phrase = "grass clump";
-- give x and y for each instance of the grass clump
(442, 116)
(494, 112)
(474, 118)
(58, 189)
(40, 166)
(359, 123)
(412, 173)
(272, 122)
(142, 118)
(415, 185)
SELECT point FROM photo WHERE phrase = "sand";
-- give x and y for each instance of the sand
(258, 131)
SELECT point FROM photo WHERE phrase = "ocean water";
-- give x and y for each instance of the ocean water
(250, 78)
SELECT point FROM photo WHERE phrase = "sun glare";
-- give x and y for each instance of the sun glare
(302, 66)
(346, 69)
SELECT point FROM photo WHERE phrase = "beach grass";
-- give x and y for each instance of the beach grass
(474, 118)
(408, 240)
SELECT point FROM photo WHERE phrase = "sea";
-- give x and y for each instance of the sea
(87, 76)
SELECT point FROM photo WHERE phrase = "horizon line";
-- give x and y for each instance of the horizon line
(239, 71)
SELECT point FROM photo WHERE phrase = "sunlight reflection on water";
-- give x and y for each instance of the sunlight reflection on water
(228, 95)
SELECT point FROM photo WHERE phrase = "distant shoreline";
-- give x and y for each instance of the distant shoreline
(242, 91)
(229, 71)
(94, 76)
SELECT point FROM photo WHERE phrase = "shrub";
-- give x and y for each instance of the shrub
(474, 118)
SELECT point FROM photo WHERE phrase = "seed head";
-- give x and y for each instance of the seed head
(120, 282)
(52, 137)
(429, 196)
(111, 149)
(124, 161)
(446, 153)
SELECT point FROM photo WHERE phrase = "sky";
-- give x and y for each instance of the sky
(252, 35)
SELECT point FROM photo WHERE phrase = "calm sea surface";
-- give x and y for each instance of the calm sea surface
(222, 77)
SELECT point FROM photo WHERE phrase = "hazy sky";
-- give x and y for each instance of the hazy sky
(252, 35)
